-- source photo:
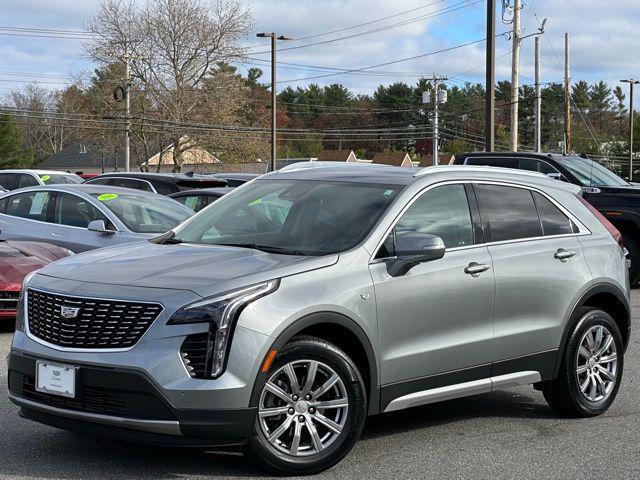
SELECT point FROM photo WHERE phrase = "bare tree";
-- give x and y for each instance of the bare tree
(172, 46)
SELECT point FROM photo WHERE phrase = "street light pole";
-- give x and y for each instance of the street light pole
(631, 83)
(490, 103)
(274, 38)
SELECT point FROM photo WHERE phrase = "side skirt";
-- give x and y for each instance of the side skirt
(514, 372)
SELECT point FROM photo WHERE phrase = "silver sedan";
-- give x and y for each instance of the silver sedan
(85, 217)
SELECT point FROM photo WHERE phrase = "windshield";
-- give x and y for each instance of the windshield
(291, 217)
(59, 178)
(592, 174)
(145, 213)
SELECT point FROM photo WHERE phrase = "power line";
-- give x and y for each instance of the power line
(458, 6)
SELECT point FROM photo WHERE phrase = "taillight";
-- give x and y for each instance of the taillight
(615, 233)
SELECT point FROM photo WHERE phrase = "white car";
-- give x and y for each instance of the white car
(19, 178)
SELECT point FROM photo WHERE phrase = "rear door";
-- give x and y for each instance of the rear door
(70, 217)
(23, 216)
(539, 268)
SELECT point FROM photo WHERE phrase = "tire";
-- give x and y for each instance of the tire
(565, 394)
(280, 455)
(631, 244)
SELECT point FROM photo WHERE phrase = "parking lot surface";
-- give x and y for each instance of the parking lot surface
(507, 434)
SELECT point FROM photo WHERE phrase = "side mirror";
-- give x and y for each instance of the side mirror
(415, 248)
(98, 226)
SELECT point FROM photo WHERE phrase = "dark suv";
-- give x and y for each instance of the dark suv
(613, 197)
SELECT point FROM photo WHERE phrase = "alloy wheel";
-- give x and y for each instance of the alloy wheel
(303, 408)
(596, 364)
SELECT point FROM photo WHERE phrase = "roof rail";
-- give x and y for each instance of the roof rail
(478, 169)
(324, 164)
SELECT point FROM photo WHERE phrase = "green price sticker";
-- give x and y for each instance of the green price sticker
(45, 177)
(256, 202)
(105, 197)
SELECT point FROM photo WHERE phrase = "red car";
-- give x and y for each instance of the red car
(17, 259)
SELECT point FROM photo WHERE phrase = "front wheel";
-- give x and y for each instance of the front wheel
(591, 368)
(311, 409)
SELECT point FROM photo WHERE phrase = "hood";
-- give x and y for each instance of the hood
(17, 259)
(205, 270)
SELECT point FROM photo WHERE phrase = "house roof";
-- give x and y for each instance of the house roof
(81, 155)
(336, 156)
(443, 159)
(195, 155)
(397, 159)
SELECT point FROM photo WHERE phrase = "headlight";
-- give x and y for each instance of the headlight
(20, 309)
(221, 313)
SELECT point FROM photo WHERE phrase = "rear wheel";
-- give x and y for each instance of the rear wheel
(591, 368)
(311, 409)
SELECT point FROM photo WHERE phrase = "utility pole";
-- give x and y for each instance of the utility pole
(538, 105)
(631, 83)
(439, 96)
(515, 75)
(567, 97)
(127, 108)
(490, 102)
(274, 38)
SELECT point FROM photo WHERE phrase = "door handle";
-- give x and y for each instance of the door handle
(476, 269)
(563, 254)
(53, 234)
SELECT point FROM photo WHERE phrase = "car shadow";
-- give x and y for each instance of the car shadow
(49, 453)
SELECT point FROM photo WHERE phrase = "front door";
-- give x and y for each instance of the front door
(71, 215)
(435, 322)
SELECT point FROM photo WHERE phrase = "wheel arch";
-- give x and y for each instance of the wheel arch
(606, 297)
(346, 334)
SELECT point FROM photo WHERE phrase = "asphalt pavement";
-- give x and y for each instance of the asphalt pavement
(509, 434)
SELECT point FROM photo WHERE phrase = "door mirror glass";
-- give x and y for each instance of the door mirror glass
(98, 226)
(415, 248)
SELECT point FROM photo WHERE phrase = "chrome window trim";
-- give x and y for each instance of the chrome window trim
(25, 310)
(582, 229)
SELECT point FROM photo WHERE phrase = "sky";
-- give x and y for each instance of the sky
(605, 40)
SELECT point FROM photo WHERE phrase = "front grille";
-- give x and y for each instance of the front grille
(194, 354)
(98, 324)
(9, 300)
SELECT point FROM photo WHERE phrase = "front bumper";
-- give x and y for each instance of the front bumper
(124, 404)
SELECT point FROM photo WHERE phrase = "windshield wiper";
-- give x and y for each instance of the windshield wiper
(265, 248)
(167, 239)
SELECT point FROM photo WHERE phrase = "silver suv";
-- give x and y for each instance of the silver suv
(304, 301)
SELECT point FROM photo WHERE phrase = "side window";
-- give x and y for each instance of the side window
(493, 162)
(194, 202)
(9, 180)
(537, 166)
(99, 181)
(131, 183)
(30, 205)
(510, 212)
(3, 205)
(443, 211)
(554, 222)
(75, 211)
(26, 180)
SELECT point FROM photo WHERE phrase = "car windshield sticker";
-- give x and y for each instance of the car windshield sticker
(388, 192)
(45, 178)
(105, 197)
(38, 203)
(191, 202)
(257, 201)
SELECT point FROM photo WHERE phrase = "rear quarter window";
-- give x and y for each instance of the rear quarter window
(554, 222)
